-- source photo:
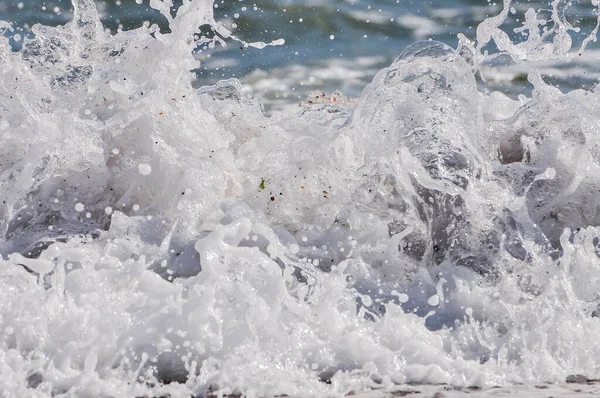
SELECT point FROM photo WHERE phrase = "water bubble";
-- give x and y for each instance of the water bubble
(294, 248)
(434, 300)
(79, 207)
(144, 169)
(366, 300)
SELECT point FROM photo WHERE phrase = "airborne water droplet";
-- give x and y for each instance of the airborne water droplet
(144, 169)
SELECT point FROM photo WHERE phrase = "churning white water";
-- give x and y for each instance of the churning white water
(158, 238)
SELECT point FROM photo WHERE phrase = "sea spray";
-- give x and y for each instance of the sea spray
(159, 239)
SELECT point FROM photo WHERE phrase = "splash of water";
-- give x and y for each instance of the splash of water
(160, 239)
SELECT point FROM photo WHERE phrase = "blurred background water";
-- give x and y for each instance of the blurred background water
(329, 44)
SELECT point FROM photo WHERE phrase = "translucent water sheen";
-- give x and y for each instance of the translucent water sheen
(161, 239)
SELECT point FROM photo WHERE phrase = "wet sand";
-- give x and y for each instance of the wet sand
(575, 386)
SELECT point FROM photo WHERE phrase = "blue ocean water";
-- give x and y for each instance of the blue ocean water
(329, 44)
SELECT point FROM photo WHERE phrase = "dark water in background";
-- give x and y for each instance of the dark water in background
(330, 44)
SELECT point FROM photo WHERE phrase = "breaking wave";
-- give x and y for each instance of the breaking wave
(162, 239)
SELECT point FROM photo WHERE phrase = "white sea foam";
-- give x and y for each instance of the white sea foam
(154, 233)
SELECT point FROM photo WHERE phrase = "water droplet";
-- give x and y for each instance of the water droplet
(144, 169)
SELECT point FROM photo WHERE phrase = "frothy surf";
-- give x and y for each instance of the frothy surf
(161, 239)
